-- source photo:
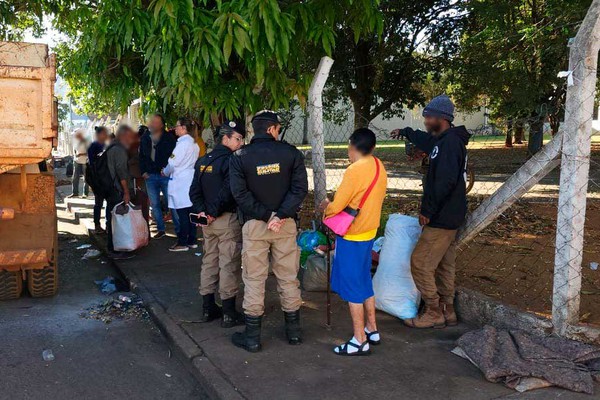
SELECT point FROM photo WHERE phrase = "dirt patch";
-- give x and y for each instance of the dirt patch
(513, 259)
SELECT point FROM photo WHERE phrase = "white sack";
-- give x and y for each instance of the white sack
(130, 230)
(395, 290)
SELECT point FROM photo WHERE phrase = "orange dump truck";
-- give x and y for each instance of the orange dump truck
(28, 130)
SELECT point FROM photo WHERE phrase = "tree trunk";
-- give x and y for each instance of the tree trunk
(362, 114)
(509, 134)
(519, 129)
(536, 137)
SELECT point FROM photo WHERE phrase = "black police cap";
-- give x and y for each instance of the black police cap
(266, 115)
(230, 126)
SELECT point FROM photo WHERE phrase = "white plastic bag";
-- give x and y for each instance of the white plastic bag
(395, 290)
(129, 230)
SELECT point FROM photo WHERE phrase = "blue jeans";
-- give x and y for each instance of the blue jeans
(156, 184)
(187, 231)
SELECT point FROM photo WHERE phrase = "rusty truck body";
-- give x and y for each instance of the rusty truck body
(28, 131)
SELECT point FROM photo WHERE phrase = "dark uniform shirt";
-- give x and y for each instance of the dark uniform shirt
(268, 176)
(210, 191)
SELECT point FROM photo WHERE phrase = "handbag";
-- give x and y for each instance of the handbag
(340, 223)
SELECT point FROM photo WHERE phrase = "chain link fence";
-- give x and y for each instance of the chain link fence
(532, 238)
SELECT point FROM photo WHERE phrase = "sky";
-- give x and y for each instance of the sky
(51, 37)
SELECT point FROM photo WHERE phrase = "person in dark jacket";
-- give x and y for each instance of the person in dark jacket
(156, 146)
(211, 197)
(268, 181)
(94, 151)
(443, 211)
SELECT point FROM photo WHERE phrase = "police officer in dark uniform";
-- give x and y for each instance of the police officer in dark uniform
(212, 199)
(268, 181)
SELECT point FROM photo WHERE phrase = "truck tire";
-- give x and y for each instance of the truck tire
(44, 282)
(11, 285)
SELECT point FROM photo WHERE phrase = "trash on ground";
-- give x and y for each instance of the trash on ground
(47, 355)
(73, 241)
(126, 306)
(84, 246)
(594, 266)
(91, 254)
(110, 285)
(197, 254)
(168, 375)
(523, 361)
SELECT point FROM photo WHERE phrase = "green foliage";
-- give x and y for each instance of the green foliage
(200, 57)
(16, 17)
(383, 70)
(511, 52)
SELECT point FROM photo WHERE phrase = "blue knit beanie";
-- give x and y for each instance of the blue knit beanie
(441, 106)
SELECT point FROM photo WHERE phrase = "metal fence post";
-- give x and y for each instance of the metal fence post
(575, 163)
(315, 128)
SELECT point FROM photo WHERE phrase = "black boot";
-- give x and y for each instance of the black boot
(250, 338)
(292, 327)
(210, 309)
(231, 317)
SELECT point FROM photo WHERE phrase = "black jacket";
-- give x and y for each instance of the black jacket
(268, 176)
(210, 191)
(164, 149)
(444, 195)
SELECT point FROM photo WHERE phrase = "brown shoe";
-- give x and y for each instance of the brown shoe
(449, 314)
(431, 317)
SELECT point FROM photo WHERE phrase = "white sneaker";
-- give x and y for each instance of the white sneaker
(179, 248)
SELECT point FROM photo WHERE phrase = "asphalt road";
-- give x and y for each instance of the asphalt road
(125, 359)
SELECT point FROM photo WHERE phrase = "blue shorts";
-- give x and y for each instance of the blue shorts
(351, 271)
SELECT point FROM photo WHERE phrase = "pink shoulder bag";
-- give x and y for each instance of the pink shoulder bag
(340, 223)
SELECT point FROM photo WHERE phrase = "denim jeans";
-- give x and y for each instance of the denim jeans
(79, 172)
(155, 184)
(187, 231)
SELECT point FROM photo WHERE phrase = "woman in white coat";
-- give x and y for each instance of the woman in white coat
(180, 170)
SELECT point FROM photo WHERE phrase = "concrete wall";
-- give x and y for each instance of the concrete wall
(412, 118)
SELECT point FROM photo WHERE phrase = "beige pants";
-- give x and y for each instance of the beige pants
(285, 258)
(433, 265)
(221, 262)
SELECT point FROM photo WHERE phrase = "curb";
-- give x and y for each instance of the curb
(211, 378)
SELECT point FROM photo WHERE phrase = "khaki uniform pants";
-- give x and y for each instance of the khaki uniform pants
(222, 262)
(285, 258)
(433, 265)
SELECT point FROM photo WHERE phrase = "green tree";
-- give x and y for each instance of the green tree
(511, 52)
(198, 57)
(383, 70)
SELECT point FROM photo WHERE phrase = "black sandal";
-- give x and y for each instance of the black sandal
(371, 341)
(343, 349)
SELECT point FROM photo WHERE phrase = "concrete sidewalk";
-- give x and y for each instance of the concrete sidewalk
(411, 364)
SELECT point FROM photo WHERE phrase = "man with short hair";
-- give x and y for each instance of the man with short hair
(95, 149)
(156, 146)
(443, 211)
(211, 197)
(80, 160)
(117, 157)
(268, 181)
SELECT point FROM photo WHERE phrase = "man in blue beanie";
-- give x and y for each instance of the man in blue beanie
(443, 211)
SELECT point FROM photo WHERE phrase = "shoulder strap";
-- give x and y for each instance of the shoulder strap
(372, 185)
(206, 166)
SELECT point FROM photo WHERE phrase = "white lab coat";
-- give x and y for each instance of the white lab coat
(180, 171)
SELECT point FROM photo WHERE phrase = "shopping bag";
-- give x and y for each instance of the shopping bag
(129, 228)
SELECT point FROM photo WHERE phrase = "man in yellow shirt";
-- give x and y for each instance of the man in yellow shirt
(351, 273)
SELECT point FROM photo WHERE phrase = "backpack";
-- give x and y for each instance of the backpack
(98, 175)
